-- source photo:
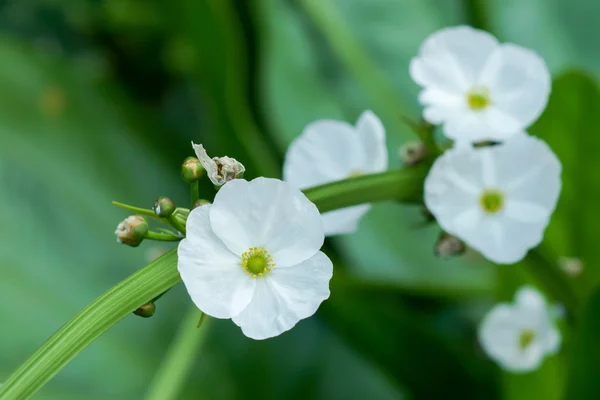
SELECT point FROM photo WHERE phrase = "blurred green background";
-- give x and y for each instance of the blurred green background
(99, 102)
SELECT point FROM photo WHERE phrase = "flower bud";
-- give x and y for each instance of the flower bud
(191, 170)
(412, 153)
(132, 230)
(220, 170)
(448, 246)
(571, 266)
(164, 207)
(146, 311)
(200, 203)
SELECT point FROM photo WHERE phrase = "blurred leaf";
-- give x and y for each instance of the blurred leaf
(412, 341)
(563, 32)
(583, 366)
(67, 151)
(570, 128)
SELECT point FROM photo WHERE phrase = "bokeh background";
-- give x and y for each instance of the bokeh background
(99, 101)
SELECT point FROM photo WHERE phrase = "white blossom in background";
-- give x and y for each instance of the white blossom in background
(518, 336)
(253, 256)
(328, 151)
(497, 199)
(219, 170)
(478, 88)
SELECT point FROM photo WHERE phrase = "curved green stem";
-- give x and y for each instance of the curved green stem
(171, 375)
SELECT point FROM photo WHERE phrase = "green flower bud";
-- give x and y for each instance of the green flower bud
(164, 207)
(412, 153)
(132, 231)
(449, 246)
(200, 203)
(191, 170)
(146, 311)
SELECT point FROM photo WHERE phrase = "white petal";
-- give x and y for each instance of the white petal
(441, 106)
(451, 59)
(344, 221)
(301, 289)
(470, 126)
(371, 134)
(519, 82)
(212, 274)
(530, 299)
(267, 213)
(258, 319)
(326, 151)
(552, 340)
(208, 163)
(499, 332)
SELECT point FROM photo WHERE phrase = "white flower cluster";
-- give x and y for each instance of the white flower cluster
(254, 254)
(497, 198)
(497, 187)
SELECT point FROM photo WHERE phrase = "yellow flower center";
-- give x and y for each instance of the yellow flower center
(526, 338)
(257, 262)
(492, 201)
(478, 98)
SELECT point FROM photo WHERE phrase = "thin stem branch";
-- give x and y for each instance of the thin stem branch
(194, 193)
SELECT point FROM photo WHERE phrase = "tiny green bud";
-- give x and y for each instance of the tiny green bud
(448, 246)
(132, 231)
(200, 203)
(572, 266)
(164, 207)
(146, 311)
(412, 153)
(191, 170)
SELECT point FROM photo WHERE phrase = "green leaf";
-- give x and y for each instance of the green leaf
(570, 128)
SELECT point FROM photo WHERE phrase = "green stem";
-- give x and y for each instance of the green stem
(176, 366)
(163, 237)
(176, 223)
(195, 193)
(138, 210)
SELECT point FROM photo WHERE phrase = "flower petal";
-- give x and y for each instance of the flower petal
(371, 134)
(345, 220)
(211, 273)
(451, 59)
(212, 171)
(267, 213)
(258, 319)
(326, 151)
(519, 82)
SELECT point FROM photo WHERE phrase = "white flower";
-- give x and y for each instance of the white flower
(478, 88)
(328, 151)
(220, 170)
(518, 336)
(497, 199)
(253, 256)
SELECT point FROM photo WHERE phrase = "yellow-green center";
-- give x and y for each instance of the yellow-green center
(492, 201)
(354, 173)
(526, 338)
(257, 262)
(478, 98)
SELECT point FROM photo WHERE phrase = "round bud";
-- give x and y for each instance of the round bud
(412, 153)
(200, 203)
(132, 231)
(448, 246)
(146, 311)
(191, 170)
(164, 207)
